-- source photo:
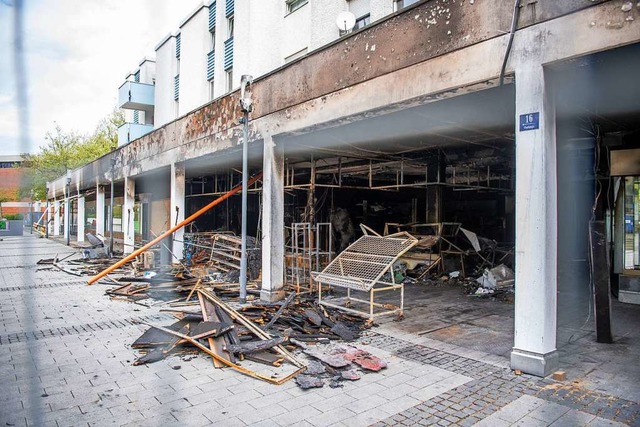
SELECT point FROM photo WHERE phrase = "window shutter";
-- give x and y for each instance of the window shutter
(212, 16)
(359, 7)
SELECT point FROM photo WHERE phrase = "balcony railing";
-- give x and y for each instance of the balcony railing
(131, 131)
(228, 54)
(136, 96)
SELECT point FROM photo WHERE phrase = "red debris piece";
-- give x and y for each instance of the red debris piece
(362, 358)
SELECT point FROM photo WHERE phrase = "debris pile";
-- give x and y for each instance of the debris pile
(255, 339)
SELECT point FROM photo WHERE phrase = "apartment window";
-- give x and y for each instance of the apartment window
(362, 22)
(211, 65)
(212, 40)
(401, 4)
(293, 5)
(230, 25)
(211, 90)
(136, 76)
(178, 46)
(229, 76)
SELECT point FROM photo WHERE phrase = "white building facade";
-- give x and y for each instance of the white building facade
(223, 39)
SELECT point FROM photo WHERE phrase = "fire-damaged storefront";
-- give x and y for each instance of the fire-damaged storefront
(423, 171)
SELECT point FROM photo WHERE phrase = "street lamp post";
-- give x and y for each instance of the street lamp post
(31, 212)
(246, 107)
(46, 224)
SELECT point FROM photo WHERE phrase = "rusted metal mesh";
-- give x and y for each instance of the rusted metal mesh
(363, 263)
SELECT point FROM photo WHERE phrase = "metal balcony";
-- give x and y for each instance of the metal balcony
(131, 131)
(136, 96)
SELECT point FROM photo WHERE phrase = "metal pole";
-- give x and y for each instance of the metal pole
(243, 256)
(31, 213)
(113, 171)
(245, 105)
(46, 228)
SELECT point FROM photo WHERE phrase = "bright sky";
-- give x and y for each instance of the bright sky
(78, 52)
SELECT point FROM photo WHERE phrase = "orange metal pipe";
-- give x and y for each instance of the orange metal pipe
(181, 224)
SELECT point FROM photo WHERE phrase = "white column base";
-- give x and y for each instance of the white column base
(537, 364)
(268, 296)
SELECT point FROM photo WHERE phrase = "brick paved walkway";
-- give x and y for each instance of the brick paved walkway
(65, 360)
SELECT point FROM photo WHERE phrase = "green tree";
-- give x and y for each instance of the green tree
(67, 150)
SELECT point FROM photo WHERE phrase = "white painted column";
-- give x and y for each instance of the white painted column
(177, 206)
(56, 218)
(100, 210)
(272, 222)
(81, 218)
(128, 214)
(534, 349)
(66, 221)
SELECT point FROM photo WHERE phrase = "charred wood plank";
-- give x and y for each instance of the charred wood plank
(255, 346)
(276, 316)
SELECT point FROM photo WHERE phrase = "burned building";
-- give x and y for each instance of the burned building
(505, 122)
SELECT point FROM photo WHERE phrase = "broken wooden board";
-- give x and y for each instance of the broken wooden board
(154, 337)
(209, 329)
(284, 305)
(238, 368)
(216, 346)
(313, 317)
(344, 332)
(160, 353)
(236, 316)
(255, 346)
(266, 357)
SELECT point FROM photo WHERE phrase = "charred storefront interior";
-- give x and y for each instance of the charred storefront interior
(459, 198)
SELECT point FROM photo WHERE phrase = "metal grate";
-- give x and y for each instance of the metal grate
(212, 16)
(211, 62)
(176, 87)
(228, 54)
(362, 264)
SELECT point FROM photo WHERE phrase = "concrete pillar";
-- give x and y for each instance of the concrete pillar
(100, 210)
(128, 214)
(177, 206)
(66, 221)
(81, 218)
(534, 349)
(56, 218)
(272, 222)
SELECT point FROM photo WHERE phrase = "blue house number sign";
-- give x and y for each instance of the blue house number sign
(529, 121)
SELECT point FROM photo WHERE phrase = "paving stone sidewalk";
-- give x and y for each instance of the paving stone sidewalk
(66, 361)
